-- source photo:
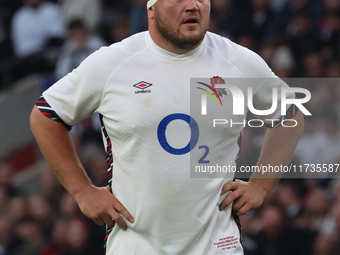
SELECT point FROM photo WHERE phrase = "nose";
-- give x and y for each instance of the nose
(192, 5)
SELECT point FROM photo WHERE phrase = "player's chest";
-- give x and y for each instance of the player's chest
(144, 97)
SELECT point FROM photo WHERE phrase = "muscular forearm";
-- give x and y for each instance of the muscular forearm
(278, 147)
(56, 145)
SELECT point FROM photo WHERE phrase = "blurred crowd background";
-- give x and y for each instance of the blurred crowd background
(297, 38)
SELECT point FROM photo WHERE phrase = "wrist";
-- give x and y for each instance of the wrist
(261, 187)
(80, 192)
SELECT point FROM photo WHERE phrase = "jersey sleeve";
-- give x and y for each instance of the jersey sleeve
(264, 99)
(47, 110)
(78, 95)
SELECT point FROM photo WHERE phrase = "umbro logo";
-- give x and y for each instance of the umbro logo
(142, 86)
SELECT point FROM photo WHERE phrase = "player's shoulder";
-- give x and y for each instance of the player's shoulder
(118, 52)
(229, 49)
(247, 61)
(107, 58)
(132, 45)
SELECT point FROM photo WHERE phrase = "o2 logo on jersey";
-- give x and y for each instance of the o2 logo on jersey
(161, 134)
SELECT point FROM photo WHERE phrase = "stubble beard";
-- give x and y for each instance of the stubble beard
(174, 36)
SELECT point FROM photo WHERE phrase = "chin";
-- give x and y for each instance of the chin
(193, 34)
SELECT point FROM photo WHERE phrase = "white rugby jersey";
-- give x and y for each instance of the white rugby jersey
(136, 85)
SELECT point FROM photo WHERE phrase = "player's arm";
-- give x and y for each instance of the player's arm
(278, 147)
(57, 147)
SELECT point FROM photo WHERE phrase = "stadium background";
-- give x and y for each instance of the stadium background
(297, 38)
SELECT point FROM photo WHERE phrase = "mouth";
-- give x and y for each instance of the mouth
(191, 21)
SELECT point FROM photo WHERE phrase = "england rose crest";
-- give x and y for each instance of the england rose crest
(218, 80)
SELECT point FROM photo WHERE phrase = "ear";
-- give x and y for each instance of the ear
(151, 12)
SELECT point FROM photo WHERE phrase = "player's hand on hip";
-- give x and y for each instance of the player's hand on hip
(100, 205)
(244, 195)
